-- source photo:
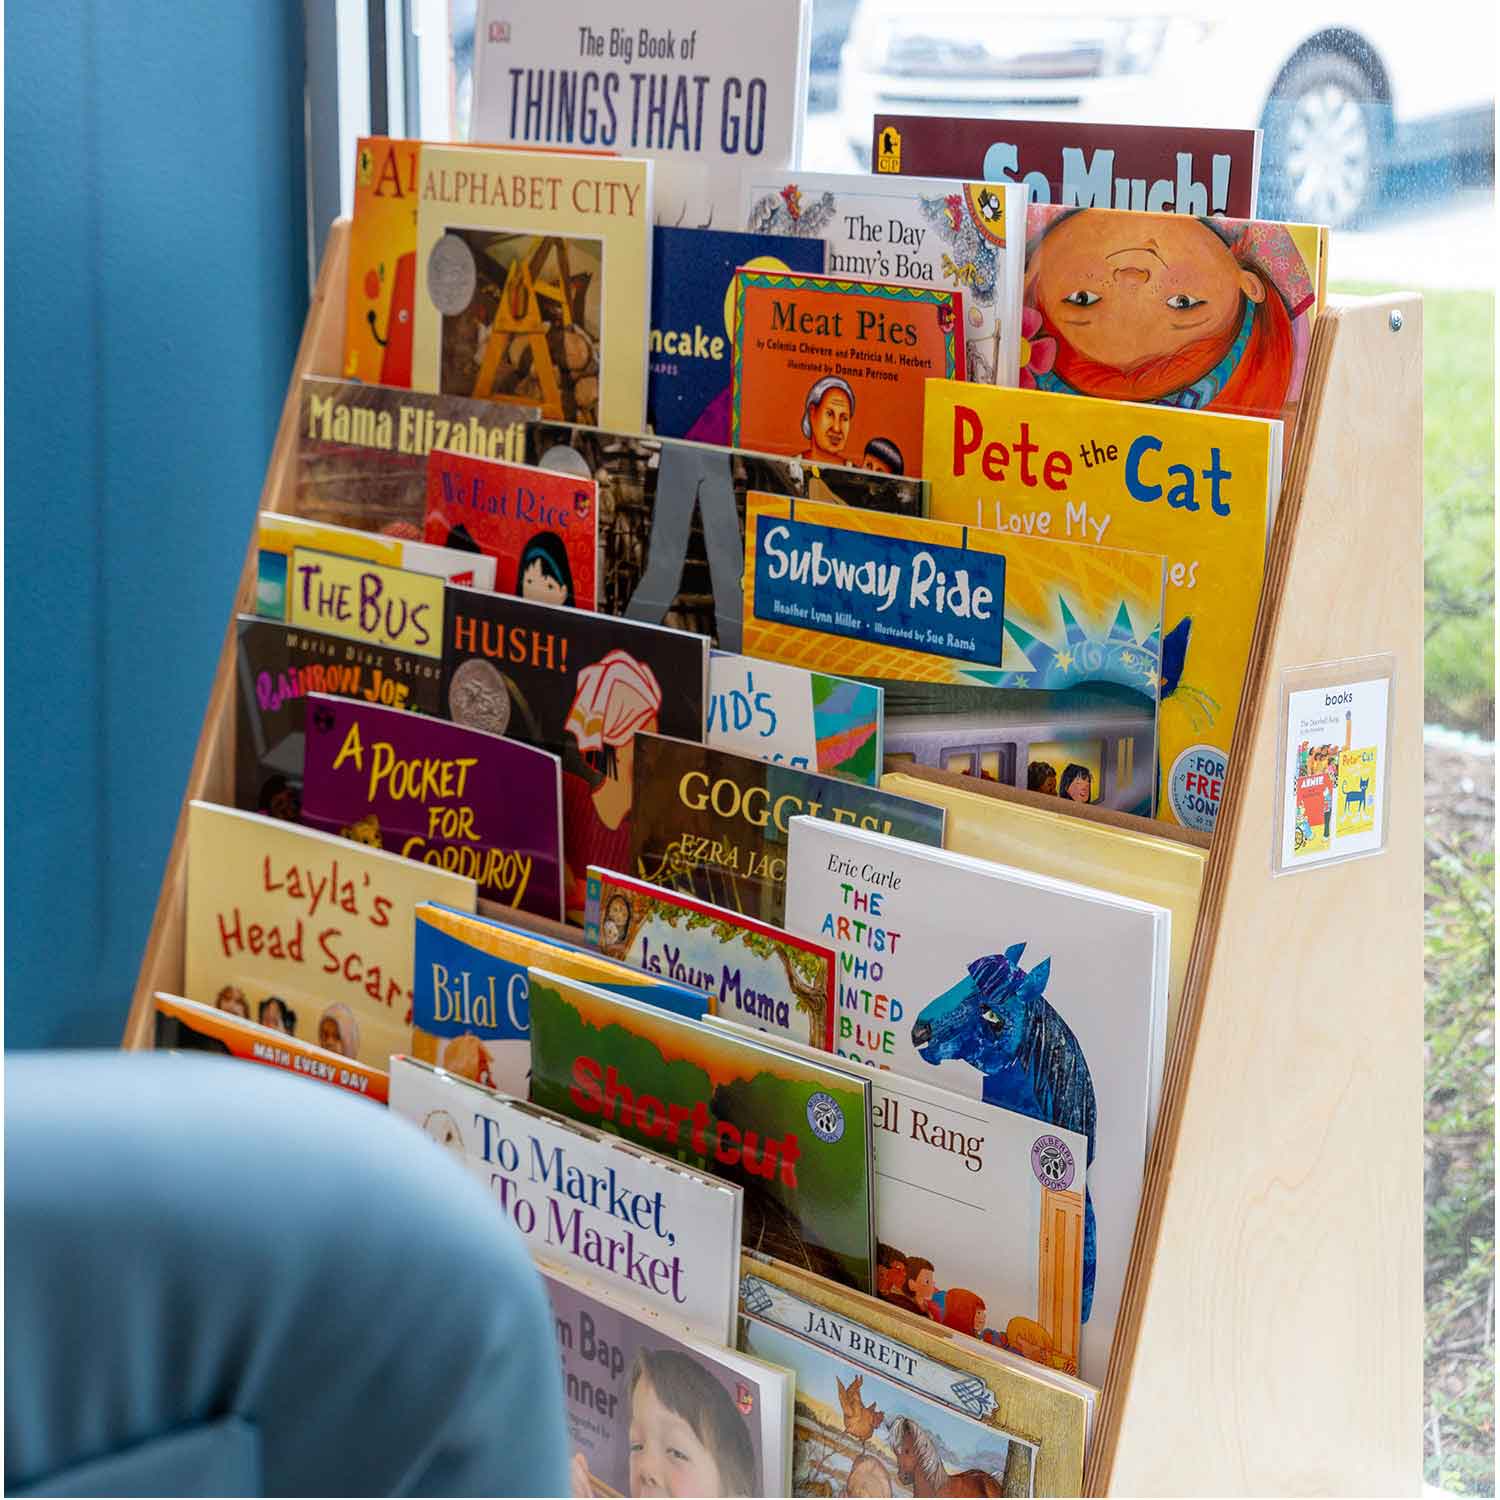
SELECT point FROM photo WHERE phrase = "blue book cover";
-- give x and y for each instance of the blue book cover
(692, 333)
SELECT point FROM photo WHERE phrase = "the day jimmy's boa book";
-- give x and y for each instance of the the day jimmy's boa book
(756, 973)
(661, 1233)
(1038, 995)
(471, 1009)
(794, 1134)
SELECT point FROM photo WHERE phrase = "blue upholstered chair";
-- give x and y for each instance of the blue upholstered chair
(222, 1280)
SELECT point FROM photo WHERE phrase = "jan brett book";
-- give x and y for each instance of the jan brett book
(362, 449)
(810, 721)
(756, 973)
(655, 1410)
(227, 1030)
(713, 824)
(834, 370)
(471, 1011)
(1078, 165)
(580, 685)
(696, 90)
(672, 517)
(538, 528)
(534, 280)
(657, 1232)
(969, 236)
(276, 667)
(457, 798)
(1038, 995)
(692, 321)
(382, 262)
(1197, 487)
(322, 924)
(795, 1135)
(997, 652)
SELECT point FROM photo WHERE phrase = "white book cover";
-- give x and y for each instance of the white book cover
(703, 90)
(1035, 994)
(966, 236)
(660, 1234)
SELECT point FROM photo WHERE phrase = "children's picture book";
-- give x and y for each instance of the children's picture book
(655, 1410)
(811, 721)
(365, 601)
(833, 370)
(580, 685)
(995, 651)
(697, 91)
(794, 1134)
(362, 449)
(538, 528)
(227, 1030)
(457, 798)
(534, 279)
(471, 1011)
(1078, 165)
(672, 517)
(648, 1228)
(1197, 487)
(968, 236)
(382, 262)
(692, 321)
(276, 667)
(713, 824)
(756, 973)
(323, 924)
(1034, 994)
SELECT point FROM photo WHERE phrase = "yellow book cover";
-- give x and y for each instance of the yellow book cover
(382, 262)
(325, 925)
(994, 651)
(533, 281)
(1355, 811)
(365, 601)
(1198, 487)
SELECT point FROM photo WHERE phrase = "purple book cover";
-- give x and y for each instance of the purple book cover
(467, 801)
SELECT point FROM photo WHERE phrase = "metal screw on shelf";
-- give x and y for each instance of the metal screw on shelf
(1396, 321)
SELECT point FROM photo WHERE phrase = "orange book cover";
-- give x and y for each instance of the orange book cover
(382, 262)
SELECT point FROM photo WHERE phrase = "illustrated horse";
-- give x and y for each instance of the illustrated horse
(996, 1020)
(920, 1468)
(1351, 796)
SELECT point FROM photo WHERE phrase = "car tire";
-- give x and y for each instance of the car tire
(1325, 144)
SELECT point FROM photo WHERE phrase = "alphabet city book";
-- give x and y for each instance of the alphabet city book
(1003, 986)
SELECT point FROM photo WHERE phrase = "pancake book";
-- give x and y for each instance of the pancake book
(382, 262)
(654, 1409)
(672, 517)
(713, 825)
(1034, 994)
(323, 924)
(696, 90)
(534, 280)
(833, 370)
(756, 973)
(471, 1011)
(968, 236)
(663, 1236)
(540, 529)
(1198, 487)
(795, 1135)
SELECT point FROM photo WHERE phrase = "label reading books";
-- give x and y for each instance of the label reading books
(366, 601)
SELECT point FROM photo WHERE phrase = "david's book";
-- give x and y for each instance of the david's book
(534, 280)
(833, 370)
(227, 1030)
(471, 1010)
(756, 973)
(322, 924)
(1041, 996)
(456, 798)
(538, 528)
(672, 517)
(654, 1231)
(1198, 487)
(795, 1135)
(713, 824)
(382, 262)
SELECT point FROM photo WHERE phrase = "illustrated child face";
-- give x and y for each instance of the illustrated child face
(830, 422)
(233, 1002)
(1081, 788)
(872, 461)
(538, 584)
(924, 1285)
(329, 1036)
(979, 1318)
(666, 1456)
(893, 1276)
(1128, 288)
(274, 1016)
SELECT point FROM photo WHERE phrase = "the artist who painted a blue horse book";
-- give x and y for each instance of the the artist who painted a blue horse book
(1041, 996)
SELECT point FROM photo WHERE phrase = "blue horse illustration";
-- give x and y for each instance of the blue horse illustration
(996, 1020)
